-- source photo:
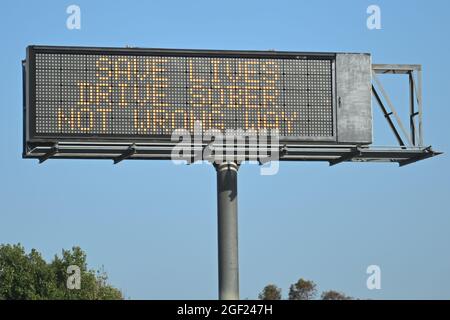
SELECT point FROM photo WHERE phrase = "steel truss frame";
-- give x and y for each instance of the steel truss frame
(410, 147)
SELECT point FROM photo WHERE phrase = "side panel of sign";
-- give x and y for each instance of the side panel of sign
(354, 98)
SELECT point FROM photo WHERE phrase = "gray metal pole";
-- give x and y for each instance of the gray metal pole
(227, 227)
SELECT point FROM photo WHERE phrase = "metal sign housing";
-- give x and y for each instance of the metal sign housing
(124, 103)
(144, 94)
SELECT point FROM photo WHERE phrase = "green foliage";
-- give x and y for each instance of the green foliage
(334, 295)
(303, 290)
(270, 292)
(30, 277)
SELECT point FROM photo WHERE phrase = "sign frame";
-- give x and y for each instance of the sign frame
(30, 135)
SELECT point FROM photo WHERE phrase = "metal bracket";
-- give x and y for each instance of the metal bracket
(356, 152)
(54, 150)
(281, 153)
(427, 153)
(128, 153)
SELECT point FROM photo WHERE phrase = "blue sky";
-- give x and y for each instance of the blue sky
(152, 224)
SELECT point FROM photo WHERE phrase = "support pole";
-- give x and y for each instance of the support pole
(227, 227)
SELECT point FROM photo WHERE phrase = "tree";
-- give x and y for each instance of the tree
(270, 292)
(303, 290)
(334, 295)
(29, 277)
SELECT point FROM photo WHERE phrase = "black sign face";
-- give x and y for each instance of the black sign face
(88, 93)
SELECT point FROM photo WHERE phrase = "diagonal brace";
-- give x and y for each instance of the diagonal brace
(128, 153)
(356, 152)
(54, 150)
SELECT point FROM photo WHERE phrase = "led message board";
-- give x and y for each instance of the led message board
(87, 93)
